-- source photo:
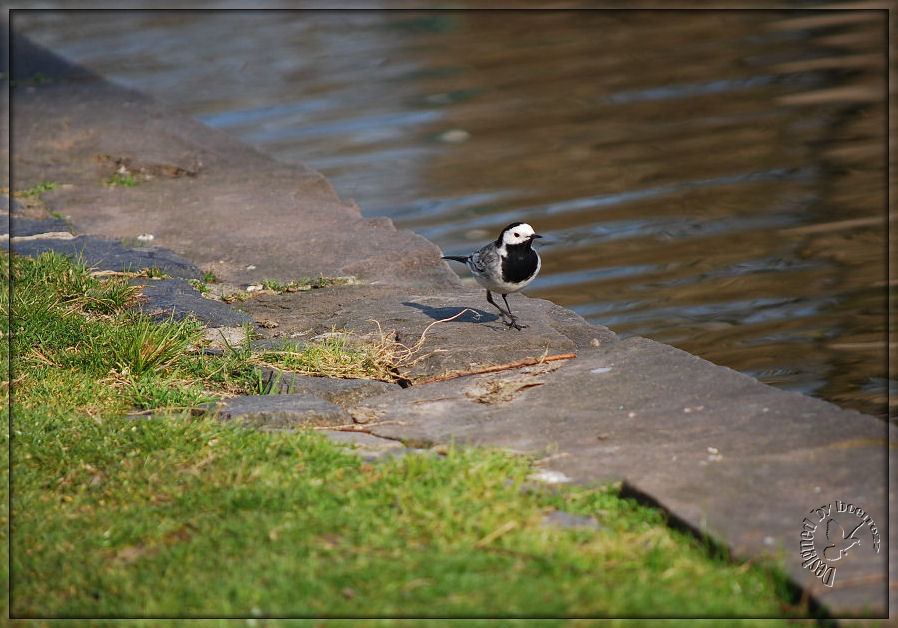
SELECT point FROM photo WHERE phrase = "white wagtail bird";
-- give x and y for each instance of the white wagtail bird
(507, 265)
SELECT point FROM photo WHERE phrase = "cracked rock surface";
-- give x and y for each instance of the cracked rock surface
(178, 299)
(346, 393)
(278, 412)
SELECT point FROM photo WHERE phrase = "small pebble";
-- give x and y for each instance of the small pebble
(146, 237)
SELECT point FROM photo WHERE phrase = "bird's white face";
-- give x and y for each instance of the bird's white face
(518, 234)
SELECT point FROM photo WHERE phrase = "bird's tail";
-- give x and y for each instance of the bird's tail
(456, 258)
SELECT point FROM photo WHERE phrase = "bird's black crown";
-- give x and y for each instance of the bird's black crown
(508, 228)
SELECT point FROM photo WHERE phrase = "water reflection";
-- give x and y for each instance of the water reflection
(713, 179)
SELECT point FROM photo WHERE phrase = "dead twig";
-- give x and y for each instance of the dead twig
(500, 367)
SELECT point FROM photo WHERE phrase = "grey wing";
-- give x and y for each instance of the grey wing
(482, 259)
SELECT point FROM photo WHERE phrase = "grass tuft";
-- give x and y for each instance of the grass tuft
(124, 179)
(69, 319)
(153, 272)
(149, 346)
(36, 190)
(199, 286)
(335, 356)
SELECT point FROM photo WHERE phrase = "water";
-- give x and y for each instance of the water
(715, 180)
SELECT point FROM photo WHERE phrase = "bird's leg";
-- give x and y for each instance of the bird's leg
(514, 319)
(489, 297)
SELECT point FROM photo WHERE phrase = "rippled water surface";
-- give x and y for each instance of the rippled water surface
(715, 180)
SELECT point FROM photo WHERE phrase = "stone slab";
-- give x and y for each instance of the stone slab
(7, 204)
(21, 226)
(178, 299)
(757, 494)
(343, 392)
(280, 412)
(105, 254)
(232, 209)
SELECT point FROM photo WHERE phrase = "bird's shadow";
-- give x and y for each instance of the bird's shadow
(473, 315)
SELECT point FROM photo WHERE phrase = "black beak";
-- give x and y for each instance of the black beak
(535, 235)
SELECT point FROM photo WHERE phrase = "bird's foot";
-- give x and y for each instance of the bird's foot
(514, 323)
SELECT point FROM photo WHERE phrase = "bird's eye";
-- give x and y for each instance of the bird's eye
(517, 235)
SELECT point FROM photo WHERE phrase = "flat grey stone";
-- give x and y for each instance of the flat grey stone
(22, 226)
(104, 254)
(178, 299)
(278, 412)
(756, 504)
(8, 205)
(343, 392)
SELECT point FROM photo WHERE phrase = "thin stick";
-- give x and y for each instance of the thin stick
(501, 367)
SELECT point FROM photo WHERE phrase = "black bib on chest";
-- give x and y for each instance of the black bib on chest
(519, 263)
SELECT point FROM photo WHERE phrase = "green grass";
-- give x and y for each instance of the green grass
(123, 179)
(274, 286)
(305, 284)
(268, 286)
(154, 272)
(36, 190)
(200, 286)
(235, 297)
(173, 515)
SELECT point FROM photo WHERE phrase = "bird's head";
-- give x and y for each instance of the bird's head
(517, 233)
